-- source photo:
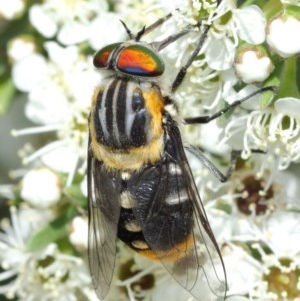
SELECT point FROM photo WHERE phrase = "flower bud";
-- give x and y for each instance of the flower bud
(253, 65)
(79, 232)
(282, 35)
(41, 188)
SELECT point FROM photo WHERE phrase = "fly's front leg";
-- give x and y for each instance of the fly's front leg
(209, 118)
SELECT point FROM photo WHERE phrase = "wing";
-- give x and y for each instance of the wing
(104, 211)
(175, 225)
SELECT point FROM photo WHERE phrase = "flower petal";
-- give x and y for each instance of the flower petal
(42, 22)
(220, 53)
(251, 24)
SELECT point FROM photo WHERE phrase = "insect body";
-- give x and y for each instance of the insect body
(140, 185)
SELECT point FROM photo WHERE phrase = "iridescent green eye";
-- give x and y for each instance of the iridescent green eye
(140, 60)
(101, 57)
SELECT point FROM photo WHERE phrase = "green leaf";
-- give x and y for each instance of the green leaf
(14, 28)
(74, 193)
(54, 231)
(223, 119)
(266, 98)
(222, 205)
(7, 91)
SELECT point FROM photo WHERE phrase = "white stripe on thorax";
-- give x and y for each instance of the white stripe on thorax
(130, 114)
(102, 111)
(114, 112)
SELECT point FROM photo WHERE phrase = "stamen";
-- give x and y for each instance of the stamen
(36, 130)
(136, 277)
(16, 226)
(43, 151)
(72, 173)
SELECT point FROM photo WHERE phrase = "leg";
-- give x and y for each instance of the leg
(156, 24)
(182, 72)
(145, 30)
(164, 43)
(207, 119)
(218, 174)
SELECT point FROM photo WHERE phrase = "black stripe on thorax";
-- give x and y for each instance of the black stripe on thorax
(109, 106)
(121, 112)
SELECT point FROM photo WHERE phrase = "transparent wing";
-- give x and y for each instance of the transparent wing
(209, 271)
(104, 211)
(176, 226)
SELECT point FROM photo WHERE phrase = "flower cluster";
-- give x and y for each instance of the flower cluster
(49, 47)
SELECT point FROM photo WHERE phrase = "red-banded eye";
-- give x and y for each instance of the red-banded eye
(140, 60)
(101, 57)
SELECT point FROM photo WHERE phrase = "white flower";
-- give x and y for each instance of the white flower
(7, 191)
(11, 9)
(40, 275)
(211, 77)
(251, 23)
(60, 155)
(271, 276)
(238, 208)
(145, 11)
(281, 235)
(79, 233)
(207, 137)
(275, 130)
(70, 20)
(34, 62)
(281, 232)
(242, 270)
(220, 48)
(253, 67)
(169, 289)
(220, 53)
(60, 93)
(144, 279)
(19, 48)
(39, 19)
(99, 28)
(280, 37)
(41, 188)
(13, 238)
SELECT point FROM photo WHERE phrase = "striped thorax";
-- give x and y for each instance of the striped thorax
(126, 123)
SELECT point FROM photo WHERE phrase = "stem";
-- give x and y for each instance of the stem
(272, 8)
(288, 79)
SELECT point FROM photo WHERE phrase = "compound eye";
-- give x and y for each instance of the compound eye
(101, 58)
(140, 60)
